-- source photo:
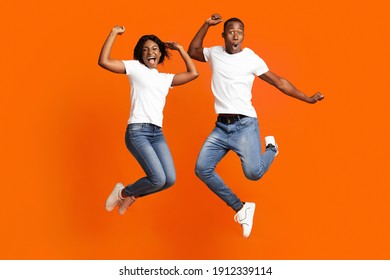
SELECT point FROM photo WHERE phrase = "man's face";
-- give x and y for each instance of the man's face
(234, 36)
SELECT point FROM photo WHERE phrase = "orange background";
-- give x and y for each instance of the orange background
(63, 120)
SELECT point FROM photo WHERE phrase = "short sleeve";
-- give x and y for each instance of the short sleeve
(261, 67)
(206, 53)
(130, 66)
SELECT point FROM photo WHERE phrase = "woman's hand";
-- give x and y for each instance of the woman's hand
(118, 30)
(172, 45)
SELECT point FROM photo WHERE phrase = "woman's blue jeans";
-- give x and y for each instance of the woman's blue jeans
(243, 138)
(147, 144)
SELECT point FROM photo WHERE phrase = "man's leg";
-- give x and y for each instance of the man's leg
(213, 150)
(246, 144)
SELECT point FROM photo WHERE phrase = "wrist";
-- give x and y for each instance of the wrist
(310, 100)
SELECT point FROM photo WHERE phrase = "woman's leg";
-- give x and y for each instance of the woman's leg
(147, 144)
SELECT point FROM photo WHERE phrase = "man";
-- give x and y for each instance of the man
(233, 71)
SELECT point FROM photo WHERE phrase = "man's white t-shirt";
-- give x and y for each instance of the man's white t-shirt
(149, 89)
(232, 79)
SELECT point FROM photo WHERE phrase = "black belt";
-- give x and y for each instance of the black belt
(229, 119)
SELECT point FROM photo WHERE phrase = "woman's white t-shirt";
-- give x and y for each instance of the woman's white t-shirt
(148, 92)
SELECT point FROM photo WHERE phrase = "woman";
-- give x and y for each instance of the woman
(144, 136)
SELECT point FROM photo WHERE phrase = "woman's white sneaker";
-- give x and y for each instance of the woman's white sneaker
(125, 204)
(115, 197)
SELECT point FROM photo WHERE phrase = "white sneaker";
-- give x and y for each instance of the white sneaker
(115, 197)
(270, 140)
(125, 204)
(245, 217)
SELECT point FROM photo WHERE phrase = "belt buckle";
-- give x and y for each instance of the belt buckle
(231, 119)
(234, 118)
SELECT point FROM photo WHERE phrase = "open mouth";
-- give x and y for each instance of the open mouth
(151, 59)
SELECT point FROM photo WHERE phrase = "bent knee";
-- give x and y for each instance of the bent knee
(253, 176)
(170, 181)
(157, 182)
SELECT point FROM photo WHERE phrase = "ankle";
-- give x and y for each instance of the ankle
(122, 194)
(242, 205)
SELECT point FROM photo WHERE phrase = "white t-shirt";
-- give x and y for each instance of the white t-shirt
(232, 79)
(149, 89)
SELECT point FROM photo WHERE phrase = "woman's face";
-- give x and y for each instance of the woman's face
(151, 54)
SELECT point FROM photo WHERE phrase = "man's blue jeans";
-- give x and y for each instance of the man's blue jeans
(147, 144)
(243, 138)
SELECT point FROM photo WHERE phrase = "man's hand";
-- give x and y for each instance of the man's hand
(316, 97)
(214, 19)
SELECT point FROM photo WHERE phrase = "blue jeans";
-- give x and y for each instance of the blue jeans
(243, 138)
(147, 144)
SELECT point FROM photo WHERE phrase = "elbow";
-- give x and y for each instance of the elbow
(280, 85)
(191, 52)
(101, 63)
(195, 74)
(194, 53)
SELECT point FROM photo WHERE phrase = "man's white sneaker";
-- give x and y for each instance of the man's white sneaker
(125, 204)
(270, 143)
(115, 197)
(245, 217)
